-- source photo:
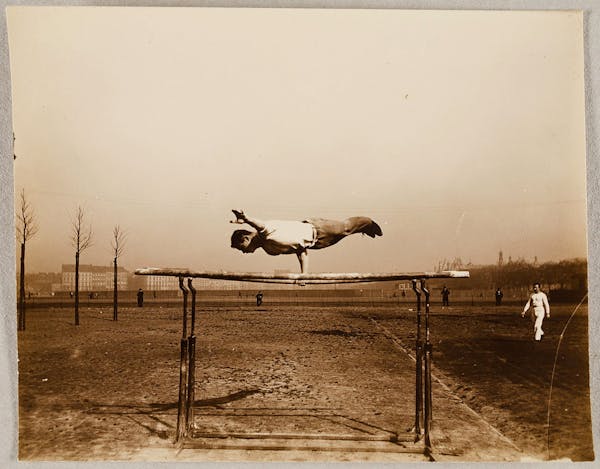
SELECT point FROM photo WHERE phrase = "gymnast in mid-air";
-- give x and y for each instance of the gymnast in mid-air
(297, 237)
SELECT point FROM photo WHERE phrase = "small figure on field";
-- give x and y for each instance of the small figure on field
(540, 308)
(296, 237)
(259, 298)
(140, 298)
(445, 296)
(499, 296)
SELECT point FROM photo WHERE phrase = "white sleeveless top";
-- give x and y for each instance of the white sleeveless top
(286, 237)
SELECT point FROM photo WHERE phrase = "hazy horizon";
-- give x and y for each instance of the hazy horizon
(292, 268)
(461, 133)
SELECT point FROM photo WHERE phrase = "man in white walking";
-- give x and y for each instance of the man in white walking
(538, 302)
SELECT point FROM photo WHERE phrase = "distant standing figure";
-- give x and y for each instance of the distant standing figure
(140, 298)
(445, 296)
(259, 298)
(540, 308)
(499, 296)
(277, 237)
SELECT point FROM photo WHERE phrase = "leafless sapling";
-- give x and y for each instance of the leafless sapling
(26, 229)
(118, 245)
(81, 239)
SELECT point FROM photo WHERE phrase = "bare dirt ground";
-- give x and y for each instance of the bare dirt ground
(108, 390)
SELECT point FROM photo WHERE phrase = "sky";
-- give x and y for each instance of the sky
(461, 133)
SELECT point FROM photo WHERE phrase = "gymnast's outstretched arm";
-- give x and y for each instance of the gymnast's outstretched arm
(241, 218)
(303, 259)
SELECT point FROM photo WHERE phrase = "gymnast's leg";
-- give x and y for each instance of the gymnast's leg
(329, 232)
(362, 225)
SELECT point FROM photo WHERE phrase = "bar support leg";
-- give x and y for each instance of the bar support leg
(183, 372)
(191, 384)
(428, 392)
(419, 367)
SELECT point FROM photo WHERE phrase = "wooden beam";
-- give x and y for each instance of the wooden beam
(315, 279)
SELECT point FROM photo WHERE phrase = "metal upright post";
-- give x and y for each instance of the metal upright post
(419, 367)
(183, 371)
(428, 350)
(191, 362)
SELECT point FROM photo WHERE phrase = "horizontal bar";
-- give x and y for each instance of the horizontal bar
(319, 279)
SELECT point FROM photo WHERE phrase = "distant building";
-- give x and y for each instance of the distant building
(212, 284)
(158, 283)
(40, 282)
(154, 283)
(93, 277)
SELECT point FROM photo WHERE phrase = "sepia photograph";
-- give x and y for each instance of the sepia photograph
(299, 235)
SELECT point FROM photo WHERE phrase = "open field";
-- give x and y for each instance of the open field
(108, 390)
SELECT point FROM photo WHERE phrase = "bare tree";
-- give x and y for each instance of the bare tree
(118, 245)
(26, 229)
(81, 239)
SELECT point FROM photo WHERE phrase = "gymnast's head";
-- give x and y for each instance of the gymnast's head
(242, 240)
